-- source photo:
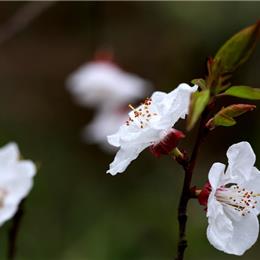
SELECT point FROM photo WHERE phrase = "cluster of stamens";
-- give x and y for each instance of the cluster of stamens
(142, 114)
(236, 197)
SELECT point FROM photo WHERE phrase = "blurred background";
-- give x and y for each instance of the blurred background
(75, 210)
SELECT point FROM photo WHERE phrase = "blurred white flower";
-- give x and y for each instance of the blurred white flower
(234, 202)
(105, 122)
(102, 83)
(148, 124)
(15, 180)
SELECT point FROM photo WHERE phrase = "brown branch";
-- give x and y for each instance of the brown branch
(22, 18)
(186, 195)
(13, 232)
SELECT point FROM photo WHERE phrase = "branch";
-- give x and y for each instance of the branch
(14, 230)
(185, 195)
(22, 18)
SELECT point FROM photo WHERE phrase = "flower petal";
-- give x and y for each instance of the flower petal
(7, 212)
(245, 233)
(220, 227)
(124, 157)
(174, 105)
(241, 159)
(254, 185)
(9, 153)
(215, 174)
(19, 181)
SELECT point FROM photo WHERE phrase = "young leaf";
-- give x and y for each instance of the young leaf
(222, 120)
(225, 117)
(200, 82)
(199, 101)
(243, 92)
(236, 50)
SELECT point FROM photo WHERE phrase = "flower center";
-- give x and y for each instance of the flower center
(237, 197)
(142, 114)
(2, 197)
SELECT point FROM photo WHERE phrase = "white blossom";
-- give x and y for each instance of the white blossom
(102, 83)
(233, 204)
(148, 124)
(15, 180)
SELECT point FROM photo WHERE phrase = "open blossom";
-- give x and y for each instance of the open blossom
(15, 180)
(234, 201)
(148, 124)
(101, 83)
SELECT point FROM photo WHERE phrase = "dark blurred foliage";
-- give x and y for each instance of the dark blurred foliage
(75, 210)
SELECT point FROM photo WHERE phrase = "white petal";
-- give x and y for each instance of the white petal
(215, 174)
(114, 140)
(124, 157)
(241, 159)
(9, 153)
(245, 233)
(20, 182)
(183, 98)
(220, 227)
(254, 185)
(7, 212)
(174, 105)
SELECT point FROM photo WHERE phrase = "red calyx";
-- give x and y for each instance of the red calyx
(104, 56)
(204, 194)
(167, 144)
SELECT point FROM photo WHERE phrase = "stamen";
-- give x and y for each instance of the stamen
(142, 115)
(130, 106)
(238, 198)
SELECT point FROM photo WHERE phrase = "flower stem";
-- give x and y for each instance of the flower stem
(185, 195)
(13, 232)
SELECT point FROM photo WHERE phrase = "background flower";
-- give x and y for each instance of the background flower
(103, 83)
(15, 180)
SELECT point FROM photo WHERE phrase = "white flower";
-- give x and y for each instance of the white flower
(15, 180)
(103, 83)
(148, 124)
(105, 122)
(233, 204)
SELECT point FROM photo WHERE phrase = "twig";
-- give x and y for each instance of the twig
(22, 18)
(185, 195)
(14, 230)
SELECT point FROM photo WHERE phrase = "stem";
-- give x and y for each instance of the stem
(185, 195)
(14, 230)
(22, 18)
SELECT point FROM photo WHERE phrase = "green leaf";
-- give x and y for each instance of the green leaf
(199, 101)
(225, 117)
(222, 120)
(243, 92)
(199, 82)
(236, 50)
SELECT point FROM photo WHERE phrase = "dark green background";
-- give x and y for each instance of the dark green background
(76, 211)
